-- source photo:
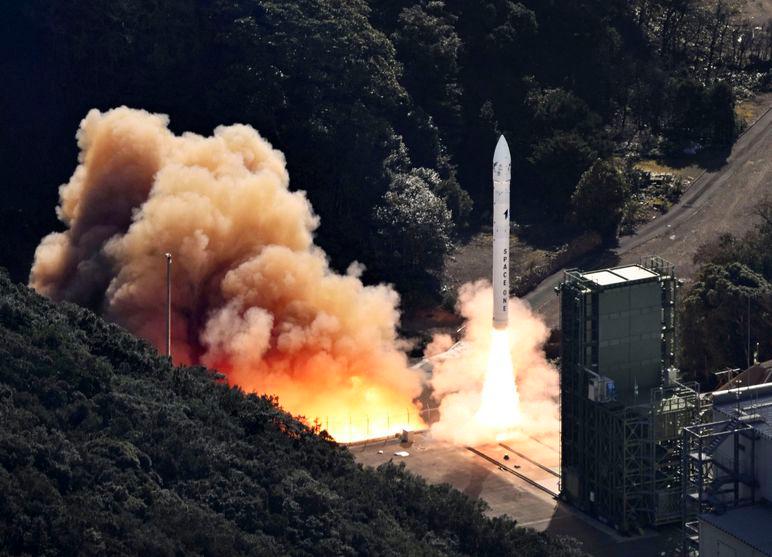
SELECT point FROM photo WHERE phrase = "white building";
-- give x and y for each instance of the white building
(734, 469)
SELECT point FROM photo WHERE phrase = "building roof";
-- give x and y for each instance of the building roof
(754, 404)
(754, 375)
(619, 275)
(750, 525)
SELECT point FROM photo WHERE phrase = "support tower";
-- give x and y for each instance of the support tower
(622, 409)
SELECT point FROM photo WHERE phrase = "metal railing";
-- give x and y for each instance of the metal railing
(363, 429)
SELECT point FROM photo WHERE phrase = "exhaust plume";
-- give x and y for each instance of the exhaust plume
(458, 382)
(252, 295)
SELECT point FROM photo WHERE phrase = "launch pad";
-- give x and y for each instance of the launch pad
(523, 487)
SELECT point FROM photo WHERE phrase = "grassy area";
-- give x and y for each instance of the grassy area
(749, 110)
(685, 168)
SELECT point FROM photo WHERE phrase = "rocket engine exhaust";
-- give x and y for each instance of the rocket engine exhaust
(502, 171)
(251, 294)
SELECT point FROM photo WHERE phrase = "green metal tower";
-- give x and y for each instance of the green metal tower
(622, 410)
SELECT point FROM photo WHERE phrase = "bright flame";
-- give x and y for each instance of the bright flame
(494, 384)
(360, 409)
(500, 403)
(252, 295)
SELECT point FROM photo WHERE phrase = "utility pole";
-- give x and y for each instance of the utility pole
(749, 332)
(168, 305)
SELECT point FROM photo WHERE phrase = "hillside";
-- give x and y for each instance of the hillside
(106, 449)
(378, 106)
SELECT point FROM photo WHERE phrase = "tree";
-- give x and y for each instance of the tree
(557, 164)
(599, 199)
(686, 117)
(414, 226)
(719, 107)
(558, 109)
(699, 113)
(714, 319)
(428, 46)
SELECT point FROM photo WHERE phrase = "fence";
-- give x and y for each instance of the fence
(361, 429)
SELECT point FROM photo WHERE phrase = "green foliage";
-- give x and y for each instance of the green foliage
(106, 449)
(558, 109)
(414, 226)
(720, 102)
(701, 114)
(356, 91)
(714, 318)
(599, 200)
(429, 47)
(559, 161)
(736, 276)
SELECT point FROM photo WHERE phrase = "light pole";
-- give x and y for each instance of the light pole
(749, 332)
(168, 305)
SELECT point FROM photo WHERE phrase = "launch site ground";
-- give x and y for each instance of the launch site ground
(522, 487)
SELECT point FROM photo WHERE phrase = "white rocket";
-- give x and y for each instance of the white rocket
(502, 172)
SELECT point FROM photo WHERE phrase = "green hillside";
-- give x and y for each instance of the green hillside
(106, 449)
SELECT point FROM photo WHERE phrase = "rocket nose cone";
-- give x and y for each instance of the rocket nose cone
(502, 161)
(501, 154)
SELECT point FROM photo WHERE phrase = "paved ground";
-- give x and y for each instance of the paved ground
(508, 494)
(722, 200)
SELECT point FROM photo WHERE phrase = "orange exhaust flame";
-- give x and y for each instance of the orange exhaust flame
(252, 295)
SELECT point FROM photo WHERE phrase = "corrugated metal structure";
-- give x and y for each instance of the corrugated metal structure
(622, 411)
(728, 474)
(741, 532)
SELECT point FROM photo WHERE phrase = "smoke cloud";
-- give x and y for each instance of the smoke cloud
(458, 381)
(252, 295)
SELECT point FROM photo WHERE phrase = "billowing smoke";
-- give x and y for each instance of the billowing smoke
(252, 295)
(458, 380)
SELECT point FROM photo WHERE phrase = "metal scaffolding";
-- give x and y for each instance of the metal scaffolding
(711, 484)
(673, 408)
(620, 454)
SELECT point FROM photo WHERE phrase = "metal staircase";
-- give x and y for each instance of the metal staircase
(712, 480)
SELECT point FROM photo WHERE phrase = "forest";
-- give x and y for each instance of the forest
(387, 111)
(726, 315)
(106, 449)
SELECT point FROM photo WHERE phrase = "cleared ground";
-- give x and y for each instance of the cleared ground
(507, 494)
(472, 260)
(758, 11)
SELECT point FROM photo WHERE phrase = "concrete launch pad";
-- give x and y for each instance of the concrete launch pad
(521, 487)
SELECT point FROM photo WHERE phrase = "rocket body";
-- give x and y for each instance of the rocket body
(502, 170)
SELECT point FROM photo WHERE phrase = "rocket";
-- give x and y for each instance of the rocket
(502, 172)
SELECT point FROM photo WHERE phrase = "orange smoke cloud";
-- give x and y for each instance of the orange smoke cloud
(458, 380)
(251, 293)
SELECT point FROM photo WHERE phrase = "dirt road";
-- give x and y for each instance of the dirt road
(722, 200)
(758, 11)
